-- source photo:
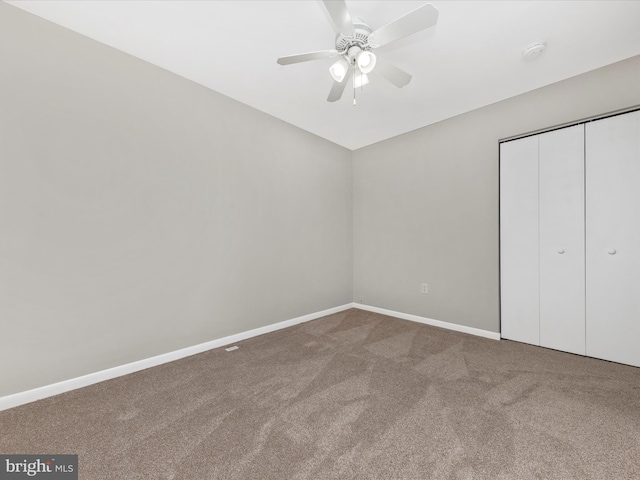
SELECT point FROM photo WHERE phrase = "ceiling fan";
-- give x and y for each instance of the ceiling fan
(355, 41)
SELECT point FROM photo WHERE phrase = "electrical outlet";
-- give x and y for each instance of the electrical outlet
(424, 288)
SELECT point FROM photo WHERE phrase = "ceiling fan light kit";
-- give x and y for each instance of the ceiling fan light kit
(354, 42)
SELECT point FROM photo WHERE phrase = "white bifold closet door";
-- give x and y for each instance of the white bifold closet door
(562, 243)
(519, 280)
(613, 238)
(542, 243)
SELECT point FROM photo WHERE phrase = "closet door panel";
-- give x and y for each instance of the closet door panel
(519, 240)
(613, 238)
(562, 243)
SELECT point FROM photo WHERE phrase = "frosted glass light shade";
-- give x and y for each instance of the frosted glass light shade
(360, 80)
(339, 69)
(366, 61)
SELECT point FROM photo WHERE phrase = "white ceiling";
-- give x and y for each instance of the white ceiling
(470, 59)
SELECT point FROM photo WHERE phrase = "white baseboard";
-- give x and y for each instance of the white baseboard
(430, 321)
(39, 393)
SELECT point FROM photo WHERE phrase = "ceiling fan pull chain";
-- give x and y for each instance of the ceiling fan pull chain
(354, 85)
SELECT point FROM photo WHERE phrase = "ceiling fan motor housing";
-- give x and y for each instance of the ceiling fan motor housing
(360, 39)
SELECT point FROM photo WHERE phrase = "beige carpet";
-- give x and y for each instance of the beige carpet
(352, 395)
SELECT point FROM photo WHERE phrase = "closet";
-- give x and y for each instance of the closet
(570, 239)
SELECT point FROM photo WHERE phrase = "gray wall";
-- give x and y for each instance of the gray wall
(141, 213)
(426, 203)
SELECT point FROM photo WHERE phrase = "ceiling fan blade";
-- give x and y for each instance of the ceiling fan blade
(338, 88)
(420, 19)
(393, 74)
(339, 15)
(305, 57)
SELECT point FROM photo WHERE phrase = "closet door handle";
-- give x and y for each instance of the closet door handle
(611, 251)
(561, 251)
